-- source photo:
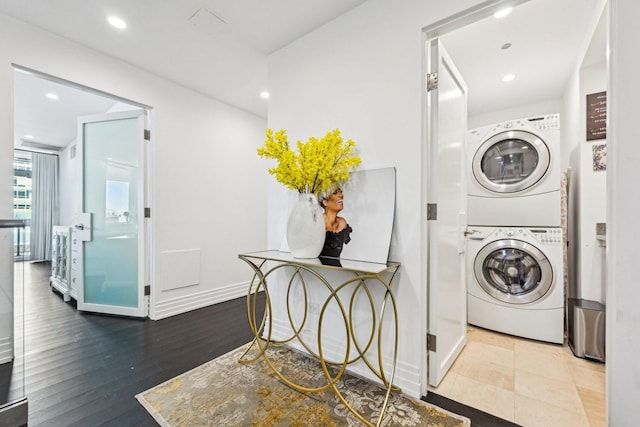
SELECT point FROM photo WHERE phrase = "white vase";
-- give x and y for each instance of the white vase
(305, 227)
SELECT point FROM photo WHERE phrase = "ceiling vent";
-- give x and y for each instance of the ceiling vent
(208, 22)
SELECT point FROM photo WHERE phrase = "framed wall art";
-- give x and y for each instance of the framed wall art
(599, 157)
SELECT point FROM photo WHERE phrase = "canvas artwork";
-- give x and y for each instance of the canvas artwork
(369, 203)
(367, 206)
(600, 157)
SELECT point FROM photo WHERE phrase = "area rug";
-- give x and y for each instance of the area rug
(224, 392)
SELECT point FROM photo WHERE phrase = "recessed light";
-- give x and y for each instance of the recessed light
(51, 95)
(117, 22)
(502, 12)
(508, 77)
(264, 94)
(505, 46)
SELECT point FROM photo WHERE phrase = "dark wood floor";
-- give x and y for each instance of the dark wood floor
(84, 369)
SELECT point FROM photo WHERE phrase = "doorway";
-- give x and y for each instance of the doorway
(462, 36)
(52, 117)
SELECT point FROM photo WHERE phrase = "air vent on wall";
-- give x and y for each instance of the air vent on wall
(39, 146)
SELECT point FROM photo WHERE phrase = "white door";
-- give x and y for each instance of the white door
(111, 228)
(446, 196)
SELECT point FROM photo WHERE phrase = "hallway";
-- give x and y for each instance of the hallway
(84, 369)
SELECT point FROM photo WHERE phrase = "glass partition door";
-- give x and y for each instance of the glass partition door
(111, 228)
(12, 364)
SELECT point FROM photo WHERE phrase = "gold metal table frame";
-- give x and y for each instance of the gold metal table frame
(360, 275)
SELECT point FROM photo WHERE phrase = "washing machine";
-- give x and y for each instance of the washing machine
(515, 281)
(514, 173)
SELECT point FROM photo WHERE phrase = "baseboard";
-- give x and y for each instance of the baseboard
(406, 377)
(194, 301)
(14, 414)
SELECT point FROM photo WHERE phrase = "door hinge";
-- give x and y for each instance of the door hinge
(147, 212)
(431, 342)
(432, 211)
(147, 135)
(147, 290)
(432, 81)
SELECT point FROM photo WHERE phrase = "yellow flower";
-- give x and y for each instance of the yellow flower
(319, 164)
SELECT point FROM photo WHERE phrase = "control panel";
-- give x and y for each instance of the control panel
(546, 236)
(550, 121)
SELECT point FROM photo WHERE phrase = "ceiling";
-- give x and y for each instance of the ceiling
(41, 123)
(220, 48)
(546, 38)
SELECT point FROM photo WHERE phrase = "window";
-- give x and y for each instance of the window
(22, 202)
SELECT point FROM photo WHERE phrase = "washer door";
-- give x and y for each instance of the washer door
(513, 271)
(510, 162)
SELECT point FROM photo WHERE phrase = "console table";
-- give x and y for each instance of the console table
(360, 278)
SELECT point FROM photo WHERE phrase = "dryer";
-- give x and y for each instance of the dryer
(515, 281)
(514, 173)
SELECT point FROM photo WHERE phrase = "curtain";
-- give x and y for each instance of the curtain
(44, 204)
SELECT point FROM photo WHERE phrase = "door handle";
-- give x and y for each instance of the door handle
(82, 226)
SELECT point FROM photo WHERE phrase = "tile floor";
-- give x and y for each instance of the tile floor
(527, 382)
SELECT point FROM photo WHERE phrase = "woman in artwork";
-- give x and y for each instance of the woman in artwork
(338, 231)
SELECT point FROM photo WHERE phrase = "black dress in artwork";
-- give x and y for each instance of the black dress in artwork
(333, 242)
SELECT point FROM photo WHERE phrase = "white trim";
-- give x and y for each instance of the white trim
(467, 17)
(183, 304)
(74, 85)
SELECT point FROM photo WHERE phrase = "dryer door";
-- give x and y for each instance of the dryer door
(513, 271)
(511, 162)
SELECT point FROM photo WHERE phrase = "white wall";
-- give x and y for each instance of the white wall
(573, 135)
(362, 73)
(209, 185)
(570, 135)
(68, 179)
(623, 205)
(592, 196)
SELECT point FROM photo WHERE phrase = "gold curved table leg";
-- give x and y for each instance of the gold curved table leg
(263, 343)
(379, 373)
(359, 282)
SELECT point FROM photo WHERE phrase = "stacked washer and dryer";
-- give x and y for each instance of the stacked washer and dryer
(515, 270)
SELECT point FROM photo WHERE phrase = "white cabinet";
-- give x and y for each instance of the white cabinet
(76, 271)
(61, 260)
